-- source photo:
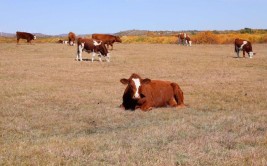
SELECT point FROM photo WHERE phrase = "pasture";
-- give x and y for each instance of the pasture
(58, 111)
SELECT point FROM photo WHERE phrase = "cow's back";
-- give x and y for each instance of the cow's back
(24, 35)
(157, 91)
(246, 44)
(239, 42)
(103, 37)
(89, 45)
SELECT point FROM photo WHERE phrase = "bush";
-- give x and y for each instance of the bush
(205, 38)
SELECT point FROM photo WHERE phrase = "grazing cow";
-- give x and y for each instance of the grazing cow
(146, 93)
(245, 46)
(72, 38)
(92, 46)
(107, 39)
(184, 38)
(25, 35)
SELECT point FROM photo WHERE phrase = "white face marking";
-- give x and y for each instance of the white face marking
(137, 84)
(34, 37)
(250, 54)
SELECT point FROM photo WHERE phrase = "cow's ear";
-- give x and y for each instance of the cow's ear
(146, 81)
(124, 81)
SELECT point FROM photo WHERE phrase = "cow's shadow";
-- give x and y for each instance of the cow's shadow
(89, 59)
(25, 44)
(235, 57)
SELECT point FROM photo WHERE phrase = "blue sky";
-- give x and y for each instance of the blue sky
(111, 16)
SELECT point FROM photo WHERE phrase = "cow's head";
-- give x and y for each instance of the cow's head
(34, 37)
(118, 39)
(134, 84)
(248, 48)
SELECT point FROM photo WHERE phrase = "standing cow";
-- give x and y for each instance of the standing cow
(25, 35)
(72, 38)
(92, 46)
(245, 46)
(146, 93)
(107, 39)
(184, 39)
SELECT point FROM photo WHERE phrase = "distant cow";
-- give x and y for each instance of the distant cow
(184, 38)
(245, 46)
(25, 35)
(146, 93)
(92, 46)
(62, 41)
(107, 39)
(72, 38)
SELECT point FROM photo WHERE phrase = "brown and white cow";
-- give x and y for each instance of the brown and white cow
(245, 46)
(184, 39)
(72, 38)
(146, 93)
(62, 41)
(92, 46)
(107, 39)
(25, 35)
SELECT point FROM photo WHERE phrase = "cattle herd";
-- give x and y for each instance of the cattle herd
(139, 93)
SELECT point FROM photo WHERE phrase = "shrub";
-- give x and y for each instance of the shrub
(206, 37)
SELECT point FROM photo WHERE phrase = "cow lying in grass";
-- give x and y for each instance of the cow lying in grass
(146, 93)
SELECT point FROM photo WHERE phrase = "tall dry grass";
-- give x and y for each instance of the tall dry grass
(57, 111)
(207, 37)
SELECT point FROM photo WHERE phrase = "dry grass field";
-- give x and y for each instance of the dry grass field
(57, 111)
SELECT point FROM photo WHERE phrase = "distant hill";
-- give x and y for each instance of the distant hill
(151, 33)
(132, 33)
(3, 34)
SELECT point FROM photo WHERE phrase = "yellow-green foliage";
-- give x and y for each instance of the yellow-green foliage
(38, 40)
(149, 39)
(7, 40)
(49, 40)
(206, 37)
